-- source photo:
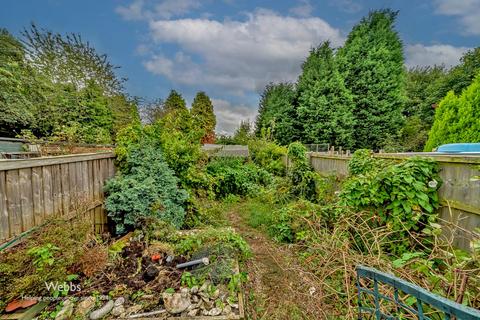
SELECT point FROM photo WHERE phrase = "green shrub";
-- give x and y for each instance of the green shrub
(233, 176)
(456, 119)
(131, 138)
(268, 156)
(402, 196)
(147, 188)
(362, 161)
(301, 175)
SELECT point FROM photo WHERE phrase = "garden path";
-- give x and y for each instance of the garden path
(278, 287)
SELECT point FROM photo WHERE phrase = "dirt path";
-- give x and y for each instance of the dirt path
(278, 287)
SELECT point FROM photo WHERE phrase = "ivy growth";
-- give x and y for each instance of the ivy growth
(402, 196)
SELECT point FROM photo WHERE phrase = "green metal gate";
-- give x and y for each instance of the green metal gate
(425, 301)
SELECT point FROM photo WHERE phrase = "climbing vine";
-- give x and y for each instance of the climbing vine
(401, 196)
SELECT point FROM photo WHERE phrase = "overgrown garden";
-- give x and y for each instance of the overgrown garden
(171, 203)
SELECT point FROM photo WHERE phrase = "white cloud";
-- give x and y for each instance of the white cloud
(421, 55)
(304, 9)
(239, 55)
(166, 9)
(229, 116)
(132, 12)
(468, 12)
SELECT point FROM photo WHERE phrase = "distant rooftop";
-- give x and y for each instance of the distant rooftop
(219, 150)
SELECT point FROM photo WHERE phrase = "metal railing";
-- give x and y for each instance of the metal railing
(426, 305)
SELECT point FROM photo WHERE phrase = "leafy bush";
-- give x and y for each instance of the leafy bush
(403, 196)
(147, 188)
(233, 176)
(268, 155)
(131, 138)
(362, 161)
(302, 176)
(456, 118)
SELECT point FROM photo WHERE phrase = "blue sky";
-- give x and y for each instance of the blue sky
(230, 48)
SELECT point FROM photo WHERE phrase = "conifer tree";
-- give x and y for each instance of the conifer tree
(324, 103)
(373, 66)
(203, 116)
(174, 101)
(276, 113)
(456, 118)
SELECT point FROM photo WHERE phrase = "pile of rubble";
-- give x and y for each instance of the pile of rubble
(206, 300)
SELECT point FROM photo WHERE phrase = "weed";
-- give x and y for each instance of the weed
(189, 280)
(24, 269)
(43, 255)
(227, 237)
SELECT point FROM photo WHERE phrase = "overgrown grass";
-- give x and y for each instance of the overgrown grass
(52, 253)
(332, 237)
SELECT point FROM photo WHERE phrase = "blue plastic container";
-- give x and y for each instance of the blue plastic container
(459, 148)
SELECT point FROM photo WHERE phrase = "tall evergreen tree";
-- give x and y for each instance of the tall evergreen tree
(203, 116)
(276, 113)
(324, 103)
(174, 101)
(456, 119)
(373, 66)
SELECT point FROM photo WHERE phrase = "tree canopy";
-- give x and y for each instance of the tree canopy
(174, 101)
(373, 66)
(64, 90)
(203, 116)
(324, 103)
(276, 113)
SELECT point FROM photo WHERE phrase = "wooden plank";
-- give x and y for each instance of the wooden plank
(4, 221)
(26, 198)
(46, 161)
(98, 179)
(85, 182)
(26, 314)
(111, 168)
(98, 220)
(101, 175)
(57, 190)
(65, 187)
(47, 191)
(73, 186)
(81, 182)
(439, 157)
(14, 202)
(37, 189)
(91, 190)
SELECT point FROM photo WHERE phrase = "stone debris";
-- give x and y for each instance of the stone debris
(85, 306)
(66, 311)
(103, 311)
(201, 301)
(176, 302)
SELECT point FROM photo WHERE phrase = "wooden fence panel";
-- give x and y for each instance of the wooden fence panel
(459, 194)
(34, 190)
